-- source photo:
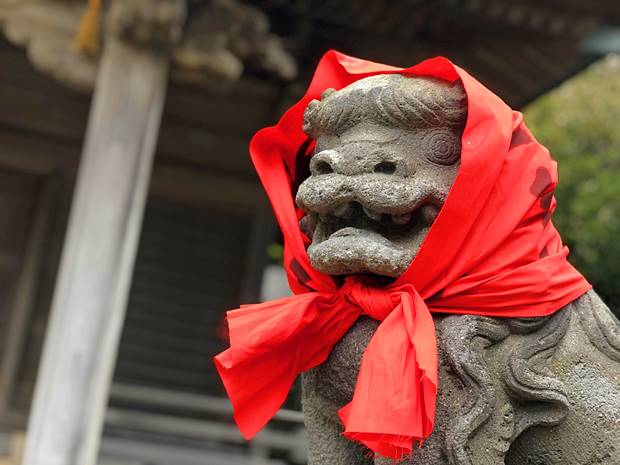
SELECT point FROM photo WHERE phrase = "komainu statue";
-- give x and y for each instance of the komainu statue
(419, 188)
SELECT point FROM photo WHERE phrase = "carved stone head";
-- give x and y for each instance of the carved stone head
(387, 152)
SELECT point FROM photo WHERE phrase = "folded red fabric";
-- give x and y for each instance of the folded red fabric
(492, 251)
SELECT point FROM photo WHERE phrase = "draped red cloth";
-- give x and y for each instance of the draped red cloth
(492, 251)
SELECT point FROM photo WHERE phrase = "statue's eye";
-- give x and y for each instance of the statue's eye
(441, 146)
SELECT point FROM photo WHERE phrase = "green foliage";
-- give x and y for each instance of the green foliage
(579, 122)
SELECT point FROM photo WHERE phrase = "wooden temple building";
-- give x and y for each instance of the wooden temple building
(130, 215)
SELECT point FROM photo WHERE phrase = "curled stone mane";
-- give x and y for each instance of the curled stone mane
(466, 339)
(600, 326)
(462, 336)
(393, 100)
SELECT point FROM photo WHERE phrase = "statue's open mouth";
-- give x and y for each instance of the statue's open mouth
(351, 218)
(352, 238)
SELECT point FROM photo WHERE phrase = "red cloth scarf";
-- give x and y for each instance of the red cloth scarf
(492, 251)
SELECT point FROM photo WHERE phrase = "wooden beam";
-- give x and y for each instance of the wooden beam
(95, 273)
(204, 430)
(198, 404)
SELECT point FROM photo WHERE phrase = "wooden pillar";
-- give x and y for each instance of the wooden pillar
(91, 292)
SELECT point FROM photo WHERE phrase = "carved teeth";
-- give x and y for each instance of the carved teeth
(372, 215)
(401, 219)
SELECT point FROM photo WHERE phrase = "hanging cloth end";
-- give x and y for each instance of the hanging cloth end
(88, 37)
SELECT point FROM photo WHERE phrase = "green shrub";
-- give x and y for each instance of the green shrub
(580, 124)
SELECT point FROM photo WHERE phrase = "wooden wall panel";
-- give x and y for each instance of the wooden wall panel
(189, 270)
(18, 193)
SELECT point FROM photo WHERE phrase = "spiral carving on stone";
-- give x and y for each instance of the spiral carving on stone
(443, 149)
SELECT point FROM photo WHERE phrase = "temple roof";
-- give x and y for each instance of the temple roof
(518, 49)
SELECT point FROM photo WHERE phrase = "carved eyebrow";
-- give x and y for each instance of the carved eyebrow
(392, 106)
(373, 140)
(377, 138)
(328, 116)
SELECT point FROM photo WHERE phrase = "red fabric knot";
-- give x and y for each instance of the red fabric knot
(375, 302)
(479, 258)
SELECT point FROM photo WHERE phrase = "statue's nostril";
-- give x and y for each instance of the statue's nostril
(386, 167)
(322, 167)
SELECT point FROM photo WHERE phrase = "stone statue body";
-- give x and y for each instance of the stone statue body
(542, 391)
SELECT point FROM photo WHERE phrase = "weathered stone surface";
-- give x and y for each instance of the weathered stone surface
(376, 188)
(542, 391)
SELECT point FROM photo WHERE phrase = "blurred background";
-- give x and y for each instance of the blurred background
(208, 241)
